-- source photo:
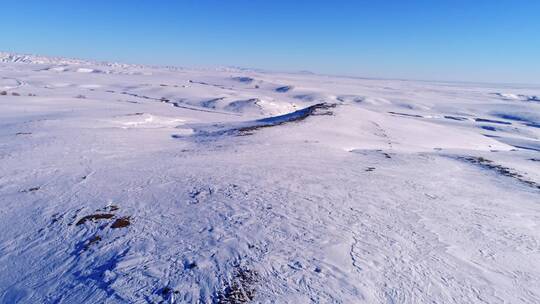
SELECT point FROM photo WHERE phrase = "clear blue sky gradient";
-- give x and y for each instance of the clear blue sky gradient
(475, 40)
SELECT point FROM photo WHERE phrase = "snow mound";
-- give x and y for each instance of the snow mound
(84, 70)
(245, 128)
(251, 105)
(312, 97)
(377, 101)
(7, 83)
(145, 120)
(58, 69)
(243, 79)
(518, 97)
(284, 89)
(351, 98)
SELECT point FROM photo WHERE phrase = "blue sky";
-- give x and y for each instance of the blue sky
(489, 41)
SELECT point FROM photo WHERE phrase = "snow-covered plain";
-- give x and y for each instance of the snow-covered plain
(132, 184)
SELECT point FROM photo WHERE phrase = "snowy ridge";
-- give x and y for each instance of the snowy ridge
(6, 57)
(34, 59)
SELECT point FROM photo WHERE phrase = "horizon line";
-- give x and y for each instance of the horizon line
(266, 70)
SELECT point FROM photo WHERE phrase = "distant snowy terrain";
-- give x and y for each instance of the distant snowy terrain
(132, 184)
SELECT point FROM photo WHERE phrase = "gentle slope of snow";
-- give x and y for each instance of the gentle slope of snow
(132, 184)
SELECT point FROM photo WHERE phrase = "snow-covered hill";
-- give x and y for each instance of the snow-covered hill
(134, 184)
(6, 57)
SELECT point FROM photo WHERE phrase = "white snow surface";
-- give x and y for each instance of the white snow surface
(243, 186)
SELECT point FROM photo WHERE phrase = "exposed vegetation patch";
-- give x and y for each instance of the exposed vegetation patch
(492, 121)
(458, 118)
(241, 288)
(31, 189)
(386, 155)
(351, 98)
(405, 114)
(197, 195)
(109, 208)
(106, 213)
(93, 240)
(94, 217)
(318, 109)
(121, 222)
(207, 84)
(55, 218)
(490, 165)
